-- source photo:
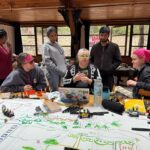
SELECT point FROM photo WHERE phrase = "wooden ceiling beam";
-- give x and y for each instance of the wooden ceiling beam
(102, 3)
(69, 14)
(91, 10)
(6, 4)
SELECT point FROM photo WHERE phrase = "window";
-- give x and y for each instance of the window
(139, 36)
(28, 40)
(119, 35)
(94, 35)
(128, 37)
(39, 31)
(64, 39)
(34, 37)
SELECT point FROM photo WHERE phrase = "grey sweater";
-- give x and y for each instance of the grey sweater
(18, 78)
(53, 58)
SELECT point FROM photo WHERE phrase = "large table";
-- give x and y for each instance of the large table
(25, 131)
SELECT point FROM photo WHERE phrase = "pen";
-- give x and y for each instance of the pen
(141, 129)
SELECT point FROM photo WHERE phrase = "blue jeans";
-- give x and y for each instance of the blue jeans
(54, 79)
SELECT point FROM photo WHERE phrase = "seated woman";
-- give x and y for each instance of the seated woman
(141, 62)
(83, 73)
(25, 77)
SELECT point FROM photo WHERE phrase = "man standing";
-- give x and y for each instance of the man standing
(106, 56)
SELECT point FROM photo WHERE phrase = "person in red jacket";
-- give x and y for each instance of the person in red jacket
(5, 56)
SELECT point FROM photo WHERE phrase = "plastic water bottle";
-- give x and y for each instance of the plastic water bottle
(98, 89)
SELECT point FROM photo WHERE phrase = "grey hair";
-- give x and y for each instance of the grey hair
(51, 29)
(82, 49)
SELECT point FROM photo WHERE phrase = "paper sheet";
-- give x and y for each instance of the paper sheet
(56, 131)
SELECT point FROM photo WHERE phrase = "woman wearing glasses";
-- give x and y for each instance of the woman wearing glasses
(25, 77)
(83, 73)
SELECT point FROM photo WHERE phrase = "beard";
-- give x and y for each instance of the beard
(104, 40)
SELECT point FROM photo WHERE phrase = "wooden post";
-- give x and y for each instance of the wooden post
(71, 17)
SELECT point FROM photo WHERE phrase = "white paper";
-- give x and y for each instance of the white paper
(58, 130)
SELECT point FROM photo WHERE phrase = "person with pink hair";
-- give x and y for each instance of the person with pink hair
(141, 62)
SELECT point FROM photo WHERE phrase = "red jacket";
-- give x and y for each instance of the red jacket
(5, 62)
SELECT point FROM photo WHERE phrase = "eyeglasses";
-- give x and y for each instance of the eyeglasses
(84, 56)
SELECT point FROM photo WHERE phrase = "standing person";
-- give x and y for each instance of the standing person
(53, 59)
(141, 62)
(5, 56)
(106, 57)
(25, 77)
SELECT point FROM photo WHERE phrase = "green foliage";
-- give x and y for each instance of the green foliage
(119, 30)
(94, 29)
(63, 31)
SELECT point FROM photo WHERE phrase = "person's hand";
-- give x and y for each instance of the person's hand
(78, 77)
(135, 78)
(27, 87)
(131, 83)
(86, 80)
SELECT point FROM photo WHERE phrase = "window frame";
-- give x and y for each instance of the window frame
(43, 36)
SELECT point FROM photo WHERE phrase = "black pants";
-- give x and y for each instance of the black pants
(108, 81)
(1, 81)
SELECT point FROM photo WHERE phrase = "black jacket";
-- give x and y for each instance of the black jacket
(93, 73)
(143, 80)
(106, 59)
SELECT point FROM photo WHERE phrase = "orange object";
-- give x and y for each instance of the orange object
(39, 93)
(30, 92)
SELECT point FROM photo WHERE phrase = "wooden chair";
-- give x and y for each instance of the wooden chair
(143, 92)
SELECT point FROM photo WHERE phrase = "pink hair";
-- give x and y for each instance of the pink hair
(142, 53)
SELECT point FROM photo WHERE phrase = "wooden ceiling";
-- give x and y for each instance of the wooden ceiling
(26, 11)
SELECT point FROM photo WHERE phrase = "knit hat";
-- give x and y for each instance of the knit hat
(104, 29)
(142, 53)
(24, 58)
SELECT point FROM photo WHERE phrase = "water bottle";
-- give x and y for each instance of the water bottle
(98, 89)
